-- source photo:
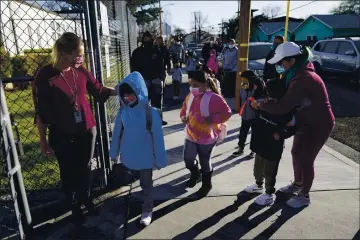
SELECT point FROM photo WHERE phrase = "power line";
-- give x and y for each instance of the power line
(295, 8)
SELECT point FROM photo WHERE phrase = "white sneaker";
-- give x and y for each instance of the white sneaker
(253, 189)
(146, 218)
(265, 199)
(290, 188)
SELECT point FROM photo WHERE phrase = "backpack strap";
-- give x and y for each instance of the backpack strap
(148, 110)
(188, 104)
(205, 103)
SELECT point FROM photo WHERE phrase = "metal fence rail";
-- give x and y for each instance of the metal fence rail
(28, 30)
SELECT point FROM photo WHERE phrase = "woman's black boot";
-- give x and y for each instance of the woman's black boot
(194, 177)
(206, 185)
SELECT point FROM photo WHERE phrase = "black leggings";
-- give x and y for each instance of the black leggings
(73, 153)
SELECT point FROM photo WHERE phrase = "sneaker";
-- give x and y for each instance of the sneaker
(253, 189)
(238, 152)
(146, 218)
(265, 199)
(252, 154)
(291, 188)
(298, 201)
(164, 123)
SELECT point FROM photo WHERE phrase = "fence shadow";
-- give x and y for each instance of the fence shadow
(207, 223)
(240, 226)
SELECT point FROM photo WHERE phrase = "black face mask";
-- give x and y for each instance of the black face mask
(147, 44)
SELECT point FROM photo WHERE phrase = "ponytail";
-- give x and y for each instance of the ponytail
(213, 86)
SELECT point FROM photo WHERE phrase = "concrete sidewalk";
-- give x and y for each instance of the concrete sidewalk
(333, 214)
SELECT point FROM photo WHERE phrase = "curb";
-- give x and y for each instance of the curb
(340, 157)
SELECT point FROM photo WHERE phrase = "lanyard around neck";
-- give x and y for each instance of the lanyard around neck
(75, 91)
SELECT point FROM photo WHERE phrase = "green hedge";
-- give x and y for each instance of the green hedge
(38, 50)
(28, 64)
(5, 66)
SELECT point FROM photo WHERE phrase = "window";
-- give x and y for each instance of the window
(344, 47)
(320, 46)
(259, 51)
(331, 47)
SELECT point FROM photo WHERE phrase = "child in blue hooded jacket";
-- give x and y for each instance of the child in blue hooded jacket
(138, 137)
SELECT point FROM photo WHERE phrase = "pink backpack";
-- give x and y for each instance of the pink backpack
(204, 109)
(212, 62)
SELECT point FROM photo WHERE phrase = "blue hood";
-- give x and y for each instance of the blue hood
(137, 83)
(131, 134)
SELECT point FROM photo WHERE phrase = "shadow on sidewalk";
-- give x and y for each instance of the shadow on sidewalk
(242, 225)
(173, 128)
(176, 188)
(198, 228)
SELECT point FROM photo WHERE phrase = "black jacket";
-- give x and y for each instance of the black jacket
(269, 69)
(148, 61)
(262, 139)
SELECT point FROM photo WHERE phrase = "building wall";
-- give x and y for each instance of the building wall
(281, 33)
(25, 27)
(312, 27)
(259, 36)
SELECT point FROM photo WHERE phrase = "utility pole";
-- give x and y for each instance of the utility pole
(243, 52)
(160, 18)
(195, 27)
(287, 19)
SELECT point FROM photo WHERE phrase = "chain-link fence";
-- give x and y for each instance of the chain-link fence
(117, 45)
(28, 30)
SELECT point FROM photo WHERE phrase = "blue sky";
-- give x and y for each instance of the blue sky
(179, 14)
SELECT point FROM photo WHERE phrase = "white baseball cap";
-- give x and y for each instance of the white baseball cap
(286, 49)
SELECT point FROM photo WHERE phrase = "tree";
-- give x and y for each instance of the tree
(271, 11)
(152, 27)
(199, 21)
(231, 27)
(179, 31)
(347, 7)
(145, 11)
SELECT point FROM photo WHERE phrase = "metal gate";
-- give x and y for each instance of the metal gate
(28, 30)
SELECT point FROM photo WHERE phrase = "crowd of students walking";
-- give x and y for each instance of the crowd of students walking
(292, 102)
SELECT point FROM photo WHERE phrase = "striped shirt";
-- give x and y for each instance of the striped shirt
(197, 129)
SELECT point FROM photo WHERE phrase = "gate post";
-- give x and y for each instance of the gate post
(95, 36)
(21, 204)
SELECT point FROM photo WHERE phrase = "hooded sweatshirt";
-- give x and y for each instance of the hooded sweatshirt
(137, 148)
(230, 58)
(307, 90)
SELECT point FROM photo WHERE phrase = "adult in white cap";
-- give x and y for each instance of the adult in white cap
(307, 93)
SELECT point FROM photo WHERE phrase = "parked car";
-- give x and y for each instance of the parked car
(338, 56)
(257, 55)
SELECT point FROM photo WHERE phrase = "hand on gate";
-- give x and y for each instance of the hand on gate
(46, 150)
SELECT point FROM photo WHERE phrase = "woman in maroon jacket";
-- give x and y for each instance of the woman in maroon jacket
(314, 118)
(60, 98)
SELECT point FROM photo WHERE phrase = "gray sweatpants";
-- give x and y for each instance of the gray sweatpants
(191, 150)
(146, 184)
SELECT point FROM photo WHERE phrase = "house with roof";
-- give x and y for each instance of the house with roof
(266, 31)
(317, 27)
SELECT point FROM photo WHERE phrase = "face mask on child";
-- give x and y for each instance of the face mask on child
(195, 91)
(231, 46)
